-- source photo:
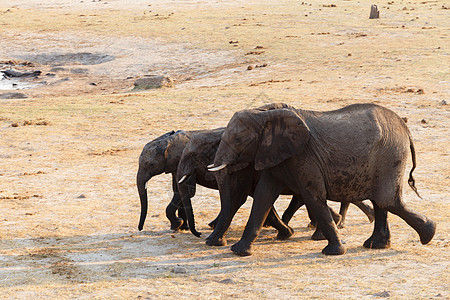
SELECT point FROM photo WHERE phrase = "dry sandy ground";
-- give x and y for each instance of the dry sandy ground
(68, 153)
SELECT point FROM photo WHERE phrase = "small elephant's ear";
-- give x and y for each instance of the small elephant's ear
(284, 135)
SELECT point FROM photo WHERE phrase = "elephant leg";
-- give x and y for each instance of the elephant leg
(381, 237)
(213, 223)
(229, 207)
(294, 205)
(174, 205)
(284, 231)
(425, 227)
(217, 237)
(266, 192)
(318, 235)
(182, 215)
(320, 210)
(343, 212)
(367, 210)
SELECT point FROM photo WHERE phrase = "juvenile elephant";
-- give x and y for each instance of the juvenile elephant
(162, 155)
(351, 154)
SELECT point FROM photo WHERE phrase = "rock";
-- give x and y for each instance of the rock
(250, 68)
(374, 13)
(444, 102)
(405, 119)
(227, 281)
(14, 73)
(153, 81)
(423, 121)
(79, 71)
(383, 294)
(179, 270)
(13, 96)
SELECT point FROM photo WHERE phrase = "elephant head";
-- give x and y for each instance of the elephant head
(262, 138)
(158, 156)
(192, 168)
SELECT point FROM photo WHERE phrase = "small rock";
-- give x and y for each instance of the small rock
(79, 71)
(81, 196)
(420, 91)
(444, 102)
(383, 294)
(13, 96)
(405, 119)
(423, 121)
(250, 68)
(179, 270)
(227, 281)
(57, 69)
(153, 81)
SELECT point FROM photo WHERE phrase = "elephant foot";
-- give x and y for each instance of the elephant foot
(341, 224)
(177, 224)
(285, 234)
(216, 242)
(212, 224)
(377, 242)
(334, 249)
(318, 235)
(427, 232)
(184, 226)
(240, 249)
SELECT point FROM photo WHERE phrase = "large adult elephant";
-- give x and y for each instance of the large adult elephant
(200, 151)
(350, 154)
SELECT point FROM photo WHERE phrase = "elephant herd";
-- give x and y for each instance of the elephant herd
(348, 155)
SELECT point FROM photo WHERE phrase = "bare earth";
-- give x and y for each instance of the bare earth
(69, 152)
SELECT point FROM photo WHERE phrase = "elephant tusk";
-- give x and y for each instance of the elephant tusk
(222, 166)
(182, 179)
(210, 166)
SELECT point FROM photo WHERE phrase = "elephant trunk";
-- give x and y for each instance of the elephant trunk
(187, 187)
(141, 180)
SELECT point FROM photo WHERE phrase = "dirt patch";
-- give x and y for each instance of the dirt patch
(58, 59)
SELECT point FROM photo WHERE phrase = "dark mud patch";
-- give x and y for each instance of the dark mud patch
(58, 59)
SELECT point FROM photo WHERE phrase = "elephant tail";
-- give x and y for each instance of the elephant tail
(411, 181)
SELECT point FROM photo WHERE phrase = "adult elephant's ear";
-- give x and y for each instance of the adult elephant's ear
(284, 135)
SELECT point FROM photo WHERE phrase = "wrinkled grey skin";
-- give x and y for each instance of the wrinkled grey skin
(355, 153)
(162, 155)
